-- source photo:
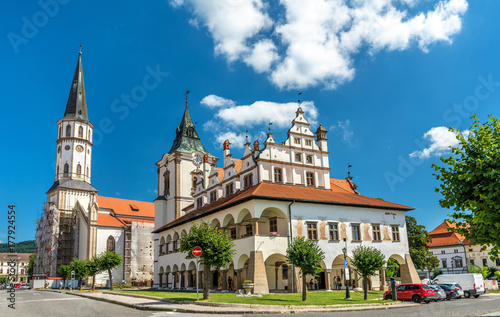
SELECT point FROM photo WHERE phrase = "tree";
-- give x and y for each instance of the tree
(65, 272)
(31, 264)
(393, 269)
(94, 268)
(81, 270)
(217, 249)
(418, 238)
(367, 261)
(108, 261)
(307, 256)
(3, 279)
(432, 263)
(470, 183)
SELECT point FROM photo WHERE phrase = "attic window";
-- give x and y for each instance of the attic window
(134, 207)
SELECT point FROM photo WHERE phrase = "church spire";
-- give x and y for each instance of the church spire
(76, 108)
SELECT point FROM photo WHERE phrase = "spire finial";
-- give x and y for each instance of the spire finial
(186, 95)
(298, 97)
(80, 52)
(246, 136)
(270, 124)
(349, 170)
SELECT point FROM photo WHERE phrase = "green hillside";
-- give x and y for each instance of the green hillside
(21, 247)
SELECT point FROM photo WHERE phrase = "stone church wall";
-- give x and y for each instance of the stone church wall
(142, 251)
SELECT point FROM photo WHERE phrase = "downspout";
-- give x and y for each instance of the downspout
(290, 240)
(124, 252)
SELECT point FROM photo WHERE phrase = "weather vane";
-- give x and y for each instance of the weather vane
(349, 170)
(186, 94)
(298, 100)
(80, 48)
(246, 136)
(270, 124)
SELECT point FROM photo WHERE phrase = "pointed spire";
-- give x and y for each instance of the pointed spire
(76, 107)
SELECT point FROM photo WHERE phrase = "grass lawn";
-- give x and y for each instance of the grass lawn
(284, 299)
(494, 290)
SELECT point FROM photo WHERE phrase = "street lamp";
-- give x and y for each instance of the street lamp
(346, 271)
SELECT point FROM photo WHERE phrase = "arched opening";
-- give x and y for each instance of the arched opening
(68, 130)
(66, 169)
(80, 132)
(167, 244)
(215, 223)
(110, 244)
(162, 246)
(175, 273)
(160, 276)
(168, 278)
(60, 132)
(57, 170)
(337, 273)
(247, 228)
(191, 276)
(277, 272)
(175, 242)
(229, 226)
(166, 183)
(182, 282)
(79, 169)
(273, 222)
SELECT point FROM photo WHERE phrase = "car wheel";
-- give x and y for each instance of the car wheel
(416, 299)
(476, 296)
(466, 294)
(435, 301)
(459, 297)
(388, 297)
(427, 301)
(448, 298)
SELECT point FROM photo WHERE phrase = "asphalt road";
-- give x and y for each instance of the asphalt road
(35, 303)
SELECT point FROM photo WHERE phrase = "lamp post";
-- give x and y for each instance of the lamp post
(346, 271)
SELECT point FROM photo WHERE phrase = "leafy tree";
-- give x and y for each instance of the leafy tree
(470, 183)
(436, 272)
(393, 269)
(65, 272)
(432, 262)
(94, 267)
(367, 261)
(31, 264)
(81, 270)
(491, 271)
(3, 279)
(418, 238)
(307, 256)
(108, 261)
(217, 249)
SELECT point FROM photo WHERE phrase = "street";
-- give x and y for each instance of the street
(42, 303)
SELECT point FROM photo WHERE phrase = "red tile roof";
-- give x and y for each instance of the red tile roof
(220, 173)
(237, 165)
(442, 237)
(341, 193)
(106, 220)
(125, 210)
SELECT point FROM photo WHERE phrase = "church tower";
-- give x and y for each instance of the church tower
(70, 226)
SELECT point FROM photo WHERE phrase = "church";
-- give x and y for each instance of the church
(76, 221)
(262, 201)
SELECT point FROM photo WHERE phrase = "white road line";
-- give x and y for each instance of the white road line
(49, 300)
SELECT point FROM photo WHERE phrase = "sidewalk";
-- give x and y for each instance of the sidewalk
(159, 304)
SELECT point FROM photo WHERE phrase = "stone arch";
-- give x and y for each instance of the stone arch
(162, 270)
(215, 223)
(277, 271)
(398, 258)
(169, 238)
(192, 265)
(244, 214)
(183, 232)
(176, 236)
(183, 267)
(337, 270)
(241, 261)
(175, 268)
(162, 245)
(228, 220)
(167, 269)
(273, 220)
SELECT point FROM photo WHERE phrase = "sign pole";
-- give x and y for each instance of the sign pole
(197, 276)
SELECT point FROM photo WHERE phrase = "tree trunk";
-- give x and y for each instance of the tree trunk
(110, 278)
(93, 283)
(80, 283)
(365, 287)
(206, 281)
(304, 287)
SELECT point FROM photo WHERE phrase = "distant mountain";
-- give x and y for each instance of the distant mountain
(21, 247)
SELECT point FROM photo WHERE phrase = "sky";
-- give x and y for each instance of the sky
(385, 78)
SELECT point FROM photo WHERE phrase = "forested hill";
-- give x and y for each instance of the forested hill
(21, 247)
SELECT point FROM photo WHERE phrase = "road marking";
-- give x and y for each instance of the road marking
(49, 300)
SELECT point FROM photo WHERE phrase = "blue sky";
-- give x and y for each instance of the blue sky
(378, 78)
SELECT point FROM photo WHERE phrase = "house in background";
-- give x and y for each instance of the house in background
(21, 262)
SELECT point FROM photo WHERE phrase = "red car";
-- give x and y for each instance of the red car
(414, 292)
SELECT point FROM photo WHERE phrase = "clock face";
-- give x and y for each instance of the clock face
(197, 160)
(79, 148)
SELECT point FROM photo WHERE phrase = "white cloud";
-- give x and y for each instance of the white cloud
(213, 101)
(237, 140)
(441, 140)
(345, 130)
(314, 42)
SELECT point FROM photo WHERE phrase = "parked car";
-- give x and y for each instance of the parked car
(414, 292)
(24, 286)
(457, 288)
(439, 291)
(471, 283)
(450, 292)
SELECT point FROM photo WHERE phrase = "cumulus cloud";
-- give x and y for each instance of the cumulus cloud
(441, 140)
(344, 127)
(231, 120)
(314, 42)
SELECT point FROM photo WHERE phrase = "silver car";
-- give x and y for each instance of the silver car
(456, 287)
(438, 290)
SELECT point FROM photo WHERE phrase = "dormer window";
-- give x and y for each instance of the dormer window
(309, 159)
(229, 189)
(199, 202)
(190, 132)
(248, 180)
(308, 142)
(296, 140)
(298, 158)
(310, 178)
(213, 196)
(278, 178)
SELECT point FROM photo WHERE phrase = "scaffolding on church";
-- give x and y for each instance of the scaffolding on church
(47, 236)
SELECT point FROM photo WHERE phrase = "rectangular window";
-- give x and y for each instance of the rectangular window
(443, 251)
(312, 232)
(458, 263)
(376, 232)
(470, 250)
(309, 159)
(298, 158)
(213, 196)
(395, 233)
(278, 175)
(296, 140)
(355, 233)
(249, 230)
(334, 231)
(308, 142)
(284, 269)
(273, 225)
(229, 189)
(310, 179)
(445, 265)
(248, 180)
(456, 250)
(232, 233)
(199, 202)
(472, 261)
(485, 262)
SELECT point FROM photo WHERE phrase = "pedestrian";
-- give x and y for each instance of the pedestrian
(311, 284)
(229, 284)
(338, 283)
(316, 284)
(60, 284)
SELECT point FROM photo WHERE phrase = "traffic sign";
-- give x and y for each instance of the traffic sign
(346, 264)
(197, 251)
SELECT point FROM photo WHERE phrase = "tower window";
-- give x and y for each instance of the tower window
(66, 168)
(166, 183)
(58, 149)
(298, 158)
(248, 180)
(110, 244)
(80, 132)
(60, 132)
(278, 175)
(310, 179)
(68, 130)
(57, 170)
(78, 169)
(309, 159)
(88, 171)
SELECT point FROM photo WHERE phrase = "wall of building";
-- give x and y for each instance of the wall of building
(102, 237)
(447, 253)
(142, 251)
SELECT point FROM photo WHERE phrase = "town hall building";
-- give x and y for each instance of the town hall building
(75, 221)
(262, 201)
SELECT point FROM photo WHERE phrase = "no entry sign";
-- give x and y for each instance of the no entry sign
(196, 251)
